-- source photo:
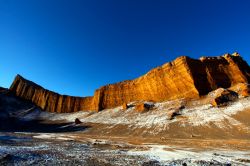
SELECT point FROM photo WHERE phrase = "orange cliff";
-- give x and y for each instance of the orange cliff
(183, 78)
(48, 100)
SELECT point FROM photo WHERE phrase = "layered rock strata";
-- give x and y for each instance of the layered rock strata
(183, 78)
(48, 100)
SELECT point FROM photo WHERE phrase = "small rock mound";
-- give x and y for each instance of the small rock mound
(77, 121)
(124, 106)
(143, 107)
(222, 96)
(173, 114)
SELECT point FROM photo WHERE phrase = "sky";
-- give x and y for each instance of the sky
(76, 46)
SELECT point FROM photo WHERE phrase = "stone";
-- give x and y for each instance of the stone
(77, 121)
(181, 108)
(223, 96)
(124, 106)
(141, 107)
(172, 114)
(182, 78)
(242, 89)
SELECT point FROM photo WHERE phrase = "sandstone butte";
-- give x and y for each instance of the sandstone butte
(182, 78)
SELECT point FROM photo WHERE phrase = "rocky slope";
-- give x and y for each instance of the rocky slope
(183, 78)
(199, 135)
(198, 119)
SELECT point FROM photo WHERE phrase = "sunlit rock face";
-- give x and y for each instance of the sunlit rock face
(183, 78)
(48, 100)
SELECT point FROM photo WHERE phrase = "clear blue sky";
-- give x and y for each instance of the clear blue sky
(75, 46)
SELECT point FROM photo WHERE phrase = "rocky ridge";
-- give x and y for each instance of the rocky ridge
(48, 100)
(182, 78)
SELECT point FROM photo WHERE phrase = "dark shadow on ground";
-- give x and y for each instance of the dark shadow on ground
(16, 125)
(13, 108)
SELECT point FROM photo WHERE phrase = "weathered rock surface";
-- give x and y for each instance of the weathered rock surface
(223, 96)
(183, 78)
(124, 106)
(77, 121)
(172, 114)
(48, 100)
(142, 107)
(242, 89)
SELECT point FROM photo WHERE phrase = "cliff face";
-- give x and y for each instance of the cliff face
(48, 100)
(170, 81)
(210, 73)
(182, 78)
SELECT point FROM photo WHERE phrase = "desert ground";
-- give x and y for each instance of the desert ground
(199, 135)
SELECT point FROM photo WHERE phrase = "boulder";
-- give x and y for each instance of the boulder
(141, 107)
(222, 96)
(124, 106)
(77, 121)
(173, 114)
(181, 108)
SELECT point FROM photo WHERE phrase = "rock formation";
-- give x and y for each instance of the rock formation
(142, 107)
(183, 78)
(124, 106)
(77, 121)
(242, 89)
(222, 96)
(48, 100)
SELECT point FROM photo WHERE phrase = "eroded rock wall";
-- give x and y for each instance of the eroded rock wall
(48, 100)
(183, 78)
(170, 81)
(210, 73)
